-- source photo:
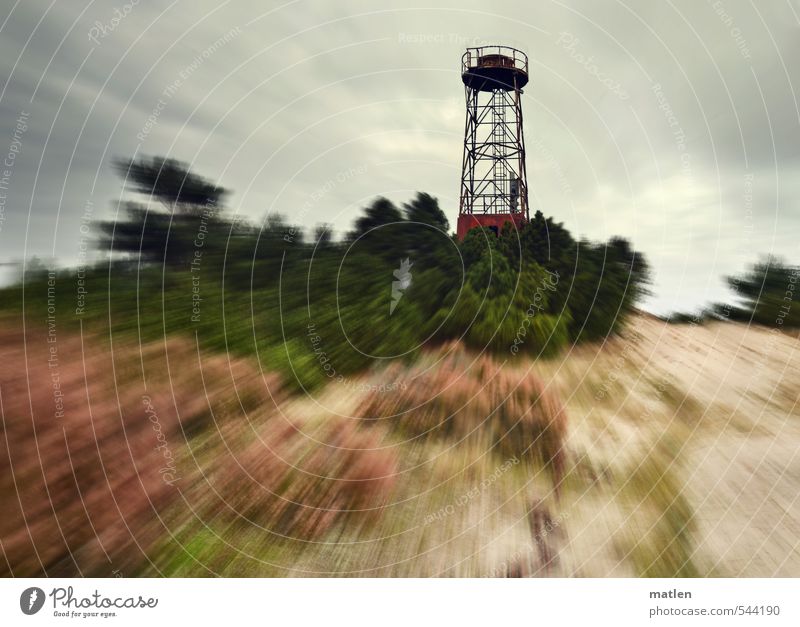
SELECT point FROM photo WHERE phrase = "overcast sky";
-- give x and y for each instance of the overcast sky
(675, 124)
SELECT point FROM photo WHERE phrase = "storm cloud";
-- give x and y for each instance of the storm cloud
(675, 124)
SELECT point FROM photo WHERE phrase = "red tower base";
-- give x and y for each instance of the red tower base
(494, 221)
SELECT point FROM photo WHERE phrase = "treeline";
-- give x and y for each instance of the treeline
(319, 308)
(767, 294)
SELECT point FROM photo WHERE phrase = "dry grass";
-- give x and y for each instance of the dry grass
(292, 485)
(462, 398)
(90, 493)
(679, 459)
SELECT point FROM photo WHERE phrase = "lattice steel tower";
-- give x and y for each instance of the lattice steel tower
(494, 188)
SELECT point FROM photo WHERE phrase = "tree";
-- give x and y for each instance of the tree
(425, 209)
(323, 236)
(171, 183)
(767, 292)
(192, 206)
(381, 231)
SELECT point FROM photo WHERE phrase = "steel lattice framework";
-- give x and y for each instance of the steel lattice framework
(493, 178)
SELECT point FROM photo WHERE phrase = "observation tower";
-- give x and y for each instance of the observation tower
(494, 188)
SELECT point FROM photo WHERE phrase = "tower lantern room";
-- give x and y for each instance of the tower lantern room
(494, 187)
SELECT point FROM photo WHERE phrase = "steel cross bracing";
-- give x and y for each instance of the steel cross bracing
(493, 177)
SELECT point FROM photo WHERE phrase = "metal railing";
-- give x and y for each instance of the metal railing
(471, 59)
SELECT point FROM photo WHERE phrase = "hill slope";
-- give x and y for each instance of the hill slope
(672, 450)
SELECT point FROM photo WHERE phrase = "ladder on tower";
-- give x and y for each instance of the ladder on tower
(498, 141)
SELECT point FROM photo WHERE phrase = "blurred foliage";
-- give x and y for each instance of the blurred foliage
(322, 309)
(169, 182)
(766, 294)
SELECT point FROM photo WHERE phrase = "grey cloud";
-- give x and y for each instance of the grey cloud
(310, 89)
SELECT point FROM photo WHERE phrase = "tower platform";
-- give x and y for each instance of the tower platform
(494, 67)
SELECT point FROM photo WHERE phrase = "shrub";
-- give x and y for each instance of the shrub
(768, 291)
(466, 399)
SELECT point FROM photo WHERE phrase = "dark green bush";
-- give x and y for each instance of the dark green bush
(322, 310)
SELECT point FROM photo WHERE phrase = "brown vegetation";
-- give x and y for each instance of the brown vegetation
(93, 480)
(462, 397)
